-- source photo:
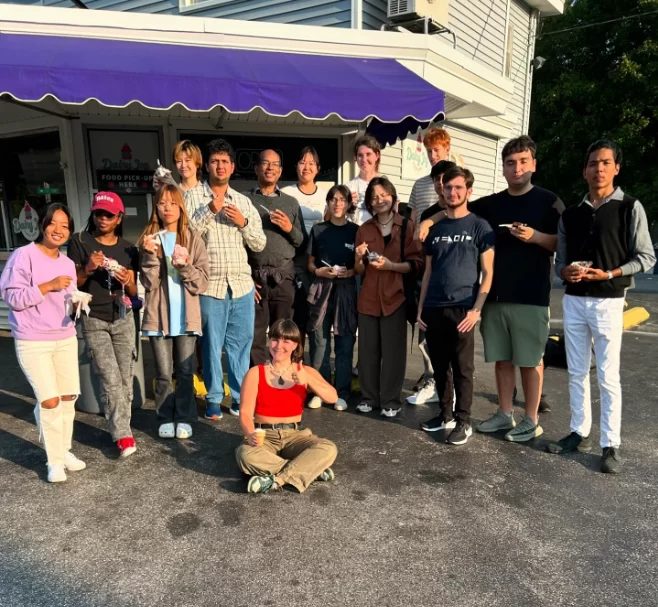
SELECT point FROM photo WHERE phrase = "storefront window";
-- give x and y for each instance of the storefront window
(31, 177)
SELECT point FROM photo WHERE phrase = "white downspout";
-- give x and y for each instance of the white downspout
(534, 18)
(357, 14)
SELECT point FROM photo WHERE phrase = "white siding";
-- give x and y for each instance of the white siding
(520, 17)
(477, 150)
(480, 29)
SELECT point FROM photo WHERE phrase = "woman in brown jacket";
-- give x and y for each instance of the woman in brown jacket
(381, 302)
(174, 271)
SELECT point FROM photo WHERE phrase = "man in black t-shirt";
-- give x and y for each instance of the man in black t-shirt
(515, 319)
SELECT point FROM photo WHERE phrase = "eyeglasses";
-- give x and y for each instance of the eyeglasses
(163, 205)
(337, 200)
(269, 163)
(105, 214)
(303, 163)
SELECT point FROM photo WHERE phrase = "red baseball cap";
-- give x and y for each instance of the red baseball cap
(108, 201)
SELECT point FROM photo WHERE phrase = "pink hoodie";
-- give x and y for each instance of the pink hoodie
(33, 316)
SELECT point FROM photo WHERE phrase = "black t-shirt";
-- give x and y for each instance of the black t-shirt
(522, 271)
(105, 304)
(455, 246)
(333, 244)
(430, 211)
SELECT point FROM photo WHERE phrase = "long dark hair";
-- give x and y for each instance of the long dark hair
(47, 219)
(284, 328)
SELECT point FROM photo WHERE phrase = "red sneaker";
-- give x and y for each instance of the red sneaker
(126, 446)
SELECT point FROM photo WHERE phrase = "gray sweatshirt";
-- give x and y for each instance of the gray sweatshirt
(640, 248)
(281, 247)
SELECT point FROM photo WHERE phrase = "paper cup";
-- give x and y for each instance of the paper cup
(260, 436)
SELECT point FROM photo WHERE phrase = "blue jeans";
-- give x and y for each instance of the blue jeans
(320, 351)
(227, 324)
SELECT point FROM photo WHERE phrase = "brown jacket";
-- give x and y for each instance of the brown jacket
(153, 274)
(382, 291)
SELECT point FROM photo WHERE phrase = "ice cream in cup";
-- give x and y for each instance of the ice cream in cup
(259, 433)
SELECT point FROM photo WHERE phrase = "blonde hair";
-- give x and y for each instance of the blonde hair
(191, 150)
(155, 223)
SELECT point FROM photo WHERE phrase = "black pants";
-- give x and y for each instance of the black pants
(447, 346)
(174, 354)
(276, 303)
(382, 358)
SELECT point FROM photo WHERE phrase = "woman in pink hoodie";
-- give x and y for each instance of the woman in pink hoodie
(36, 284)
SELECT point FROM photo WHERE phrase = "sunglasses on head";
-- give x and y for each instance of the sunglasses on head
(106, 214)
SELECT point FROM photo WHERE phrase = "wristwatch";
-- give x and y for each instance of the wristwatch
(610, 276)
(246, 223)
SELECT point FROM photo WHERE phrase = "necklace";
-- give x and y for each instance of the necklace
(279, 376)
(385, 223)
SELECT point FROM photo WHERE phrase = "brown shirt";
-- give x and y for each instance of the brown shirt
(382, 291)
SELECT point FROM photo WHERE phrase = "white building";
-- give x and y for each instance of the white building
(61, 144)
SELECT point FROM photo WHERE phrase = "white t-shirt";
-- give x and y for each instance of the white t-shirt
(312, 205)
(359, 186)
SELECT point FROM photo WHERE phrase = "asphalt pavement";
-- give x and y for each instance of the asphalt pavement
(409, 520)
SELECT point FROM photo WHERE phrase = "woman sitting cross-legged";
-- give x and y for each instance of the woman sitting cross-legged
(272, 399)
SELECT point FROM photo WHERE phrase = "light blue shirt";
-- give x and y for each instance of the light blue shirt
(176, 295)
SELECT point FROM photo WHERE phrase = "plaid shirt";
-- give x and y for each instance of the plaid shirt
(196, 197)
(225, 242)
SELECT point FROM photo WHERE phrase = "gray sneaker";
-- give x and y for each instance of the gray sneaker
(498, 421)
(525, 431)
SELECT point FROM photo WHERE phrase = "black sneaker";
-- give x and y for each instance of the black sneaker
(544, 407)
(419, 384)
(438, 423)
(611, 460)
(460, 434)
(568, 444)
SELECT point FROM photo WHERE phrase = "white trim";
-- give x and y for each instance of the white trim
(496, 126)
(448, 69)
(548, 8)
(210, 109)
(507, 21)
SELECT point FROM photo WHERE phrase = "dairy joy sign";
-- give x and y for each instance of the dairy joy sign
(27, 223)
(414, 158)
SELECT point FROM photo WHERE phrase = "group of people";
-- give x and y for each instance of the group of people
(250, 275)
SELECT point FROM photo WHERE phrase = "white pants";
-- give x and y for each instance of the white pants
(587, 318)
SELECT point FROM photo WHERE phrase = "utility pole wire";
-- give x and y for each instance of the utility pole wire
(580, 27)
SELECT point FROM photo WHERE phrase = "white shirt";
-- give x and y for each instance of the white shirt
(359, 186)
(312, 205)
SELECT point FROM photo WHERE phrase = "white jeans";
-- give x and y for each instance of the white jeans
(587, 318)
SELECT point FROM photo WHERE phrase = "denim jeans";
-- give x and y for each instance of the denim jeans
(174, 354)
(227, 324)
(112, 347)
(320, 350)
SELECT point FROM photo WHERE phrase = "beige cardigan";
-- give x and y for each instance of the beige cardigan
(153, 274)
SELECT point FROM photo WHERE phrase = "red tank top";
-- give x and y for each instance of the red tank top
(285, 402)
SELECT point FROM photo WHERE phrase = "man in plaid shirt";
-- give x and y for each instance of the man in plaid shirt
(229, 224)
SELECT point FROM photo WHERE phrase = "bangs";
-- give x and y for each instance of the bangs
(285, 329)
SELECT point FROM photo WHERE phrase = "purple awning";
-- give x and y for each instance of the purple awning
(159, 76)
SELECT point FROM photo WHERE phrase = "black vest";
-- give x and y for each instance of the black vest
(600, 236)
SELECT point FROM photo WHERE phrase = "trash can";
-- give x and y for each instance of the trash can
(89, 400)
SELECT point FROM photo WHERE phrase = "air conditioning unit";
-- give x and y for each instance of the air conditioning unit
(407, 10)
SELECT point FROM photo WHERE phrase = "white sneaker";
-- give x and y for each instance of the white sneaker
(315, 403)
(340, 405)
(72, 463)
(166, 431)
(183, 431)
(363, 408)
(427, 394)
(56, 473)
(390, 412)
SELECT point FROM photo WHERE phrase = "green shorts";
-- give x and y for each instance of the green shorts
(514, 332)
